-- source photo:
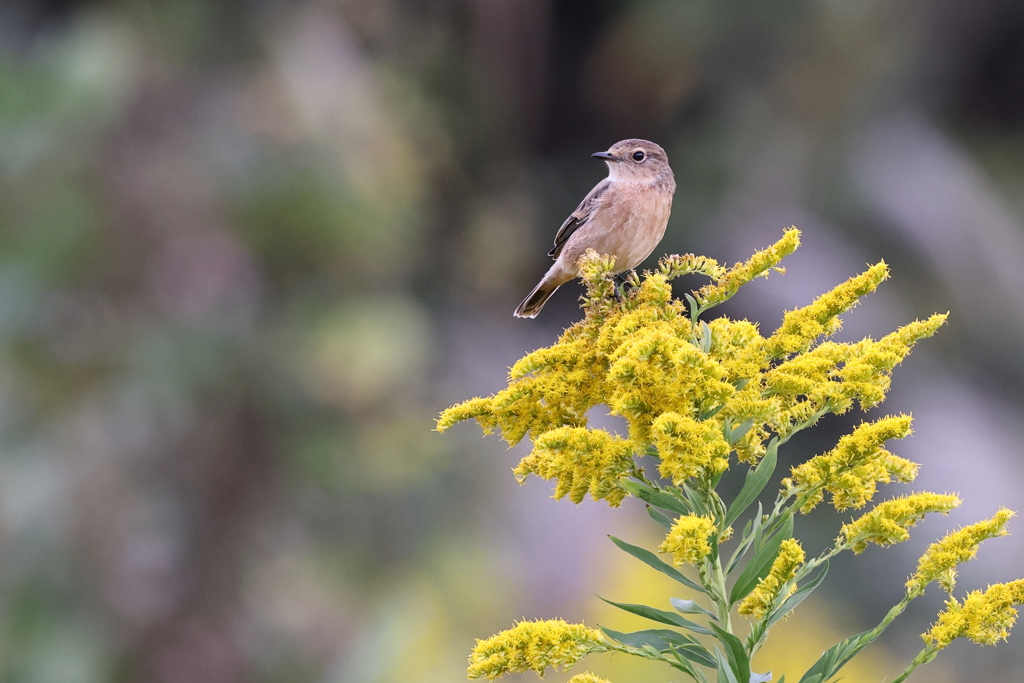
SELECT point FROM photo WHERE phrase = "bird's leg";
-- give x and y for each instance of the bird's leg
(621, 280)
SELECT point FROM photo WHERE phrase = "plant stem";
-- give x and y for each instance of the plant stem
(923, 657)
(719, 594)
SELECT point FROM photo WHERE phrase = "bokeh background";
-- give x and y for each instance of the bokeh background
(250, 249)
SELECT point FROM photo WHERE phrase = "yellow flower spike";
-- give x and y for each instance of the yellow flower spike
(655, 371)
(761, 263)
(941, 559)
(534, 645)
(984, 617)
(739, 347)
(688, 539)
(479, 408)
(769, 589)
(595, 271)
(676, 265)
(793, 416)
(587, 677)
(851, 471)
(807, 374)
(888, 522)
(751, 446)
(866, 375)
(801, 327)
(655, 290)
(583, 461)
(688, 447)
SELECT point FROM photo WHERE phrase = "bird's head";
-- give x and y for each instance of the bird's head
(637, 160)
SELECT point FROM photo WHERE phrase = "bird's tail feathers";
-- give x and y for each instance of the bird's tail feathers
(536, 299)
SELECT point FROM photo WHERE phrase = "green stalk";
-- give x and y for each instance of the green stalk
(923, 657)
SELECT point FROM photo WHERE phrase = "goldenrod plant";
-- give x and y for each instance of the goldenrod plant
(701, 396)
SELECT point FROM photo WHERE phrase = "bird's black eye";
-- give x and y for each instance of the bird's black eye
(638, 155)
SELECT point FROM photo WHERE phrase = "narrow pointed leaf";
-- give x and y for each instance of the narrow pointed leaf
(690, 607)
(796, 598)
(659, 517)
(693, 307)
(656, 498)
(835, 657)
(755, 482)
(664, 640)
(694, 500)
(655, 562)
(739, 660)
(661, 616)
(751, 532)
(759, 565)
(684, 665)
(725, 672)
(737, 433)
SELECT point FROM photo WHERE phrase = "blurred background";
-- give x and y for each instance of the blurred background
(250, 249)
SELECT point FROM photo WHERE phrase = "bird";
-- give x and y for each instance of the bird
(623, 216)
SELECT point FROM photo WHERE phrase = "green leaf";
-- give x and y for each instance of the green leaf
(736, 434)
(725, 672)
(751, 532)
(659, 517)
(760, 564)
(692, 305)
(750, 523)
(661, 616)
(657, 498)
(695, 501)
(835, 657)
(652, 560)
(756, 480)
(705, 333)
(796, 598)
(664, 640)
(683, 664)
(690, 607)
(739, 660)
(711, 412)
(661, 639)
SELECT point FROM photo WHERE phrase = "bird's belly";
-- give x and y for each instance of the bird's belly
(633, 240)
(638, 247)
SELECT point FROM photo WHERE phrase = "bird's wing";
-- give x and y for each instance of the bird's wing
(578, 217)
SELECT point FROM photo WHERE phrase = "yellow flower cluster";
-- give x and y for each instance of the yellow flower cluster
(676, 265)
(851, 471)
(688, 539)
(802, 327)
(941, 559)
(769, 589)
(831, 376)
(984, 617)
(534, 645)
(587, 677)
(688, 447)
(888, 522)
(581, 460)
(691, 392)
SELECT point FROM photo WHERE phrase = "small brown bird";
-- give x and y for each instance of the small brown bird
(623, 216)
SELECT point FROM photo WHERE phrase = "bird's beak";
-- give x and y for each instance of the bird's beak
(608, 156)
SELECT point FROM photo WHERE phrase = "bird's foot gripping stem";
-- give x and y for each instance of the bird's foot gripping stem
(624, 279)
